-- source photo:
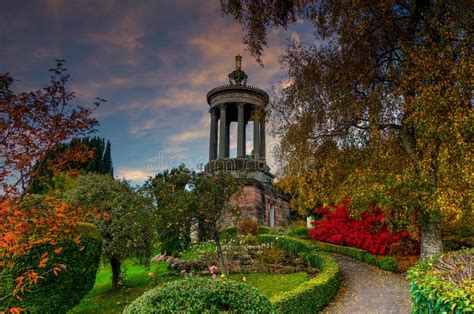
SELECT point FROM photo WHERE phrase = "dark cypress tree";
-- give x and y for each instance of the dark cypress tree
(107, 160)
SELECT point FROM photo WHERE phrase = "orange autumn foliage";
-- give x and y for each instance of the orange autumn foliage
(32, 124)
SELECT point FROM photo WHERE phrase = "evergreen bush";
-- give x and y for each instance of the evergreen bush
(444, 283)
(55, 294)
(201, 295)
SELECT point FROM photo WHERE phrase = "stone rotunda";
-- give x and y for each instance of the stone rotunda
(242, 103)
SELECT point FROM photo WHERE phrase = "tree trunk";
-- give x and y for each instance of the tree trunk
(431, 238)
(220, 255)
(115, 265)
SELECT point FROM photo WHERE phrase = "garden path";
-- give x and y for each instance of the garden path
(367, 289)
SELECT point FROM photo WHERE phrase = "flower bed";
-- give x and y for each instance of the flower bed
(243, 255)
(444, 283)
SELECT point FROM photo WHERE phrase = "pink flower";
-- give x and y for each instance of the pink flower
(214, 276)
(159, 258)
(212, 269)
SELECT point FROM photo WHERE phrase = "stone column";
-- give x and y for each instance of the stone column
(213, 136)
(241, 131)
(227, 139)
(256, 137)
(262, 138)
(224, 132)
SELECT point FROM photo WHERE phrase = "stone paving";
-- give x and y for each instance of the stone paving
(368, 289)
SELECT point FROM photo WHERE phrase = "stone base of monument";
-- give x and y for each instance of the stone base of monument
(264, 204)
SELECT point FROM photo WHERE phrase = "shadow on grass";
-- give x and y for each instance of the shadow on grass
(138, 279)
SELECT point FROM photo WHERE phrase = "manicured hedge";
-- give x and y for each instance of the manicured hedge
(301, 232)
(314, 294)
(201, 295)
(442, 285)
(56, 294)
(385, 263)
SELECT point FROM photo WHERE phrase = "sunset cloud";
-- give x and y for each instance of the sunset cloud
(188, 136)
(133, 174)
(153, 61)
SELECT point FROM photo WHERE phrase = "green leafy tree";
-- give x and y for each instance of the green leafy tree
(125, 219)
(390, 80)
(214, 204)
(183, 198)
(168, 192)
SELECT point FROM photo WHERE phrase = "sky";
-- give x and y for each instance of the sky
(153, 62)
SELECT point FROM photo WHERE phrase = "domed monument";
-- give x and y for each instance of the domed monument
(242, 103)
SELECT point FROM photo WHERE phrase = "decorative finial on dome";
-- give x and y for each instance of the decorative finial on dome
(238, 77)
(238, 62)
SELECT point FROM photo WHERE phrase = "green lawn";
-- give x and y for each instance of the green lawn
(271, 284)
(137, 280)
(102, 300)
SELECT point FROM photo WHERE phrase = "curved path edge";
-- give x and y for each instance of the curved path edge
(368, 289)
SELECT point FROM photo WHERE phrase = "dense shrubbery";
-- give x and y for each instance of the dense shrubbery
(459, 233)
(385, 263)
(56, 294)
(198, 295)
(248, 226)
(316, 293)
(444, 283)
(369, 233)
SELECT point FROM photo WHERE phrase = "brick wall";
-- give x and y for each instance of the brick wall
(256, 204)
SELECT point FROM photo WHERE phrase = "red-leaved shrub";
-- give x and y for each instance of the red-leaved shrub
(369, 233)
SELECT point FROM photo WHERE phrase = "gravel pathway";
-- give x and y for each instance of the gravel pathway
(367, 289)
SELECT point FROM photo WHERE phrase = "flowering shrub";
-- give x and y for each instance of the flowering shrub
(211, 270)
(369, 233)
